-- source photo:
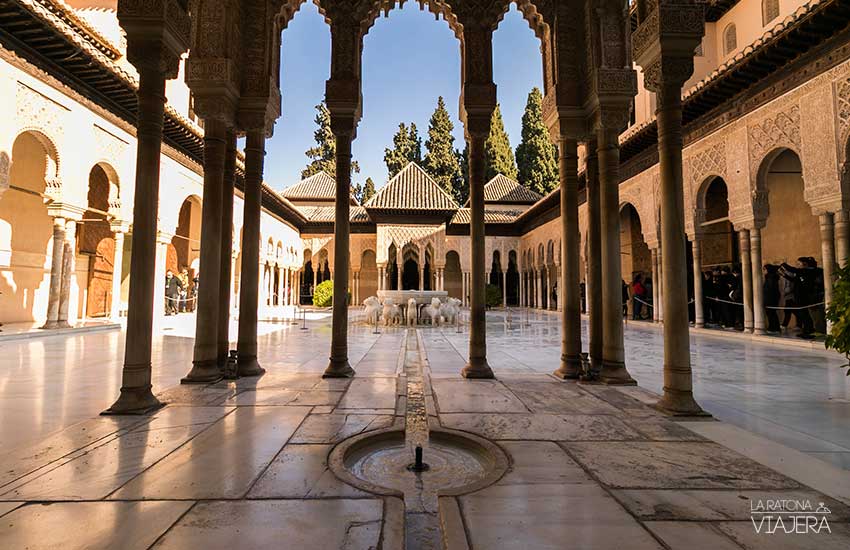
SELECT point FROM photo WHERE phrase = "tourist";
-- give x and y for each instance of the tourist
(707, 295)
(582, 288)
(802, 277)
(194, 294)
(173, 286)
(638, 295)
(625, 299)
(736, 295)
(184, 289)
(771, 297)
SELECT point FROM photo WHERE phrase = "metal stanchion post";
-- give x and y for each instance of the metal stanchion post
(304, 319)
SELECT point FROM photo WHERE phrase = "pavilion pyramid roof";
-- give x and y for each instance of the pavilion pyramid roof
(504, 190)
(412, 189)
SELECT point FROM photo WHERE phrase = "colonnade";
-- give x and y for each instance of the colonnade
(596, 120)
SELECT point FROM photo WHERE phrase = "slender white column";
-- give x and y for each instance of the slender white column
(842, 238)
(58, 244)
(827, 235)
(655, 285)
(699, 314)
(504, 290)
(69, 259)
(746, 278)
(117, 264)
(757, 282)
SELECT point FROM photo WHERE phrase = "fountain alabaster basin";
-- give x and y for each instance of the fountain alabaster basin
(380, 463)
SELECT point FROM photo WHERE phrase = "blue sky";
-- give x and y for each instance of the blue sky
(409, 59)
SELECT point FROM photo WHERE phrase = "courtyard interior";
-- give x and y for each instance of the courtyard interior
(244, 464)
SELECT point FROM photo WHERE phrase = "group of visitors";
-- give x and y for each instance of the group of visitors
(795, 291)
(181, 292)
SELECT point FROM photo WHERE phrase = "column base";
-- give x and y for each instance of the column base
(478, 370)
(699, 325)
(50, 325)
(570, 368)
(203, 372)
(62, 324)
(615, 374)
(249, 367)
(679, 403)
(338, 369)
(134, 401)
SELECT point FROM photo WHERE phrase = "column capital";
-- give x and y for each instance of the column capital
(67, 211)
(119, 226)
(163, 237)
(157, 34)
(663, 44)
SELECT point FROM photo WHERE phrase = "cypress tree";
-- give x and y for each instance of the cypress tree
(368, 191)
(462, 192)
(497, 150)
(407, 147)
(323, 155)
(442, 161)
(535, 156)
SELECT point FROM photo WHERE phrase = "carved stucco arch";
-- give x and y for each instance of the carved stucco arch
(114, 179)
(52, 173)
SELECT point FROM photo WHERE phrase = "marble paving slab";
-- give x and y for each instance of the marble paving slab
(265, 524)
(691, 535)
(99, 471)
(716, 505)
(543, 462)
(545, 427)
(189, 394)
(553, 397)
(332, 428)
(677, 465)
(19, 462)
(301, 471)
(370, 393)
(744, 534)
(542, 517)
(223, 461)
(475, 396)
(89, 525)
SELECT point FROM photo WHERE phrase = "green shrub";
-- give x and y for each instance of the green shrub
(493, 296)
(323, 294)
(838, 314)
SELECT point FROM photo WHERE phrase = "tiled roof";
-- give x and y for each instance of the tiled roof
(504, 190)
(490, 216)
(412, 189)
(317, 186)
(326, 214)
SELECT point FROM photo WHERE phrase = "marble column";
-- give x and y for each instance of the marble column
(117, 264)
(338, 366)
(842, 237)
(398, 271)
(570, 367)
(827, 240)
(422, 277)
(593, 291)
(163, 240)
(58, 244)
(678, 386)
(655, 285)
(613, 354)
(136, 395)
(477, 366)
(699, 314)
(69, 260)
(521, 289)
(757, 281)
(504, 289)
(246, 346)
(660, 303)
(746, 278)
(381, 278)
(205, 366)
(226, 250)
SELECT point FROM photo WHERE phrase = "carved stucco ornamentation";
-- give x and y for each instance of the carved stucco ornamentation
(781, 129)
(109, 147)
(842, 93)
(36, 111)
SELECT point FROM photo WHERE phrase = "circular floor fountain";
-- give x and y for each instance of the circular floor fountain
(381, 463)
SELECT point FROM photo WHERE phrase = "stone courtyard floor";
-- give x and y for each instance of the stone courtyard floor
(244, 464)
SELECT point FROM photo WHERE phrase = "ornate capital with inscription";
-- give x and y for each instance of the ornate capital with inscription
(664, 42)
(157, 34)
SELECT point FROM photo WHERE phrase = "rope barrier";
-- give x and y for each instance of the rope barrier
(781, 308)
(187, 299)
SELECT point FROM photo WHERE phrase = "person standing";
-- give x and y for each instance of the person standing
(173, 286)
(802, 277)
(638, 294)
(771, 297)
(184, 289)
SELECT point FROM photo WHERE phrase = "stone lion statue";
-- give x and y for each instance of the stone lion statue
(411, 313)
(391, 313)
(372, 309)
(450, 310)
(432, 311)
